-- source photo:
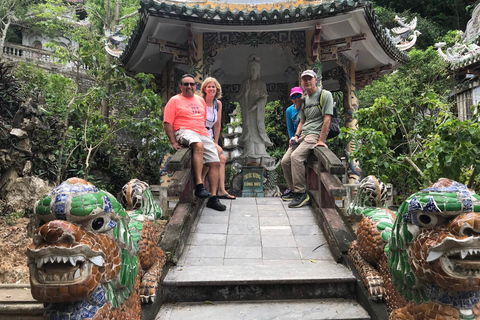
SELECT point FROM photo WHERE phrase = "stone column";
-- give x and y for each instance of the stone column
(196, 67)
(350, 106)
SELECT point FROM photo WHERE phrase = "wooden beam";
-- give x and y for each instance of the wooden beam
(330, 49)
(376, 70)
(179, 51)
(346, 40)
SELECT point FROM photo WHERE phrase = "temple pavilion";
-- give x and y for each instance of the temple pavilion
(342, 40)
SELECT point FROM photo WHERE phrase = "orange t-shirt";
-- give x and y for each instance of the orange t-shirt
(186, 113)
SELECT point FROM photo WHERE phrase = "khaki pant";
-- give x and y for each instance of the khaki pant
(293, 163)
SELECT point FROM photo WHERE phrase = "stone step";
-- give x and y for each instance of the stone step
(318, 309)
(17, 303)
(324, 279)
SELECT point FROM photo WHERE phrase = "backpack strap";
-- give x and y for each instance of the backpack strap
(215, 105)
(320, 100)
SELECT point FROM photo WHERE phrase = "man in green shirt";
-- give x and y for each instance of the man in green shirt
(311, 132)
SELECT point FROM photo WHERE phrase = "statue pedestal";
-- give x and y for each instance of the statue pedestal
(252, 182)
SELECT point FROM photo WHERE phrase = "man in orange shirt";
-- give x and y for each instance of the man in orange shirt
(184, 123)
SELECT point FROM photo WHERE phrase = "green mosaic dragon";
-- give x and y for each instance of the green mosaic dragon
(425, 258)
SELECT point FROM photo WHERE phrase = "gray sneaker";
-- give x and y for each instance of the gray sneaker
(289, 196)
(300, 200)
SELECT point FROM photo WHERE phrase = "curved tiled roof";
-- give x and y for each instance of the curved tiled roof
(260, 14)
(244, 14)
(475, 59)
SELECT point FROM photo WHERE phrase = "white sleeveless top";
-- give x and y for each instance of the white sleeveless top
(212, 116)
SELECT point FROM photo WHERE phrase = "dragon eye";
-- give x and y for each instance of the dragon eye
(425, 219)
(97, 224)
(430, 220)
(40, 223)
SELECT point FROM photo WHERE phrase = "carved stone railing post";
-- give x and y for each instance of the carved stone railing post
(182, 182)
(323, 185)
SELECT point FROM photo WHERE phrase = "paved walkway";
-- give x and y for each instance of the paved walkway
(255, 231)
(258, 260)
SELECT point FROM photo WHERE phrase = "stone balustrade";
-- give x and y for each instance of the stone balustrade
(17, 52)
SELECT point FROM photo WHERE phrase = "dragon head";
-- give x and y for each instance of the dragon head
(82, 243)
(434, 249)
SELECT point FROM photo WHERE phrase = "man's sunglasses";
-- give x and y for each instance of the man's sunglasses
(191, 84)
(295, 96)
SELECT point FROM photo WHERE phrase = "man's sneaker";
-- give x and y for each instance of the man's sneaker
(202, 193)
(215, 204)
(300, 200)
(289, 196)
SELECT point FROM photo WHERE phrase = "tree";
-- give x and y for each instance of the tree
(87, 127)
(408, 133)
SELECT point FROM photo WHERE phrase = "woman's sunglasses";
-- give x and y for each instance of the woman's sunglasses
(295, 96)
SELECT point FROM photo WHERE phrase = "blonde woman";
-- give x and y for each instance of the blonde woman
(211, 92)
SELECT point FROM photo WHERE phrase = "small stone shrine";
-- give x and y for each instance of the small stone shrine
(341, 40)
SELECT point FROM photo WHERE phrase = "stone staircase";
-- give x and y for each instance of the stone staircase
(259, 260)
(17, 303)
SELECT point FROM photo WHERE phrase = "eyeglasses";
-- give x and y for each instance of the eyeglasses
(295, 96)
(191, 84)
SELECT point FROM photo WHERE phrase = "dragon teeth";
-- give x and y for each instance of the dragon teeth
(463, 253)
(434, 255)
(98, 261)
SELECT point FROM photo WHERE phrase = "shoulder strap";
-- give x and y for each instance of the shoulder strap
(320, 99)
(215, 104)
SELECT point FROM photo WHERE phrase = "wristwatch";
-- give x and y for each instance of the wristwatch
(297, 136)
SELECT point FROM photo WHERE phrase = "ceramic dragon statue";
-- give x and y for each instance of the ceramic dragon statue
(89, 259)
(425, 258)
(405, 36)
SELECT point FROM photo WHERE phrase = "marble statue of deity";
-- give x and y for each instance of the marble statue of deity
(253, 98)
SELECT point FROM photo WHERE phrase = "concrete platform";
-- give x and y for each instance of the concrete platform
(258, 310)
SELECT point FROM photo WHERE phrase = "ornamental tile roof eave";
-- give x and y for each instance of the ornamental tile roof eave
(218, 15)
(467, 63)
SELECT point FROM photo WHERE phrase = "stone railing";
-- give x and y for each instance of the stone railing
(43, 58)
(324, 186)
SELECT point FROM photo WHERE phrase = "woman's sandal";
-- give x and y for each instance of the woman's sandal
(227, 196)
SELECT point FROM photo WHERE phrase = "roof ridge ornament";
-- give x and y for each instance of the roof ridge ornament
(114, 41)
(405, 36)
(458, 52)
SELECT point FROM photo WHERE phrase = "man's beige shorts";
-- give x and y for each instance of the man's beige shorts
(187, 137)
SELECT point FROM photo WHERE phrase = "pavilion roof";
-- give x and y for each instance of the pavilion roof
(248, 14)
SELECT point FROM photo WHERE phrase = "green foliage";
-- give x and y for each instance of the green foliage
(452, 149)
(56, 89)
(14, 216)
(406, 120)
(73, 126)
(276, 127)
(446, 15)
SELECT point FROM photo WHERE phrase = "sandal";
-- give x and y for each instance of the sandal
(227, 196)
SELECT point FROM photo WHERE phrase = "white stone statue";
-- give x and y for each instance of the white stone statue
(253, 98)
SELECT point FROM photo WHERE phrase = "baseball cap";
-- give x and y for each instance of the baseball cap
(310, 73)
(296, 90)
